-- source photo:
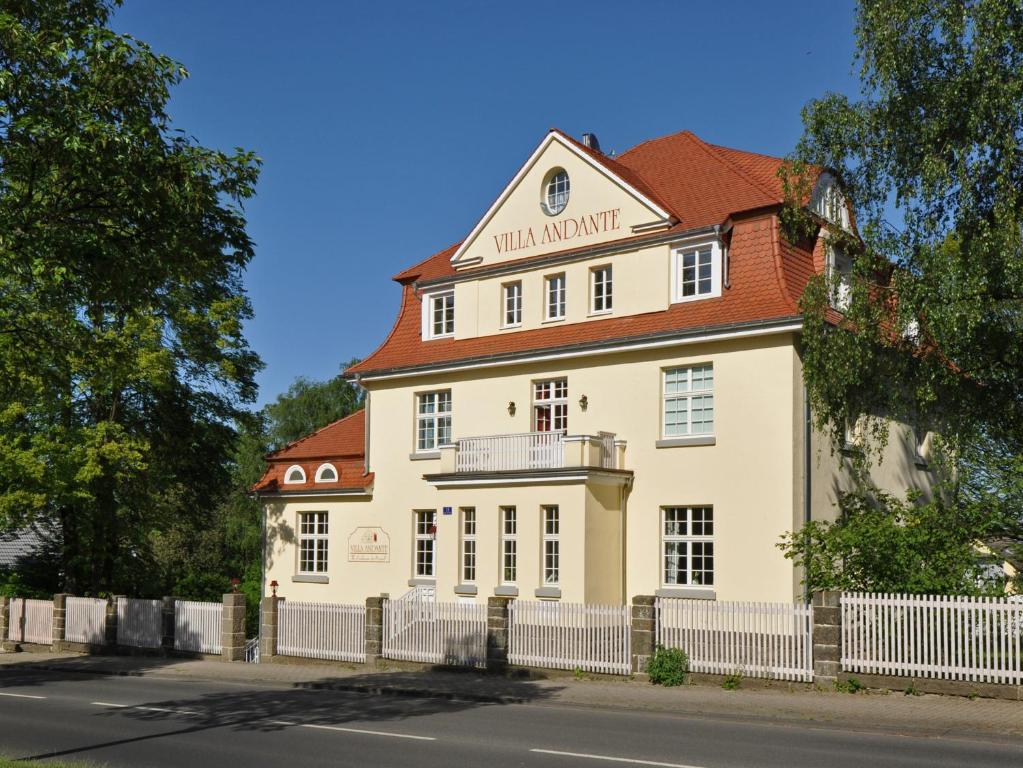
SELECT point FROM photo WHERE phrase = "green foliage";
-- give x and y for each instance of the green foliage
(732, 682)
(668, 666)
(850, 685)
(309, 405)
(912, 690)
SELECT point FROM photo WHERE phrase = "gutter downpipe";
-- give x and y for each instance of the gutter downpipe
(807, 467)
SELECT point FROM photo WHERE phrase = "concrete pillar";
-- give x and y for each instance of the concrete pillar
(167, 624)
(232, 628)
(374, 629)
(59, 620)
(827, 637)
(110, 627)
(5, 623)
(497, 633)
(643, 630)
(268, 609)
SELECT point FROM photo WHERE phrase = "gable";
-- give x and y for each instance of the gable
(601, 207)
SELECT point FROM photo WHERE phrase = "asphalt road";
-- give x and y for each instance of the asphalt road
(137, 722)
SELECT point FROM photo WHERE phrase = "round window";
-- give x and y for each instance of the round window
(555, 192)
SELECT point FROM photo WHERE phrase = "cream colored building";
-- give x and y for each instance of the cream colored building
(596, 394)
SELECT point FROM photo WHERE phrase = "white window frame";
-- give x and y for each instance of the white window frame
(550, 546)
(606, 303)
(509, 546)
(511, 304)
(319, 538)
(424, 531)
(323, 468)
(551, 192)
(839, 266)
(678, 253)
(437, 417)
(555, 288)
(429, 299)
(688, 538)
(468, 551)
(287, 475)
(556, 403)
(689, 395)
(828, 202)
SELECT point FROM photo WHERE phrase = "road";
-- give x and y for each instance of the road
(139, 721)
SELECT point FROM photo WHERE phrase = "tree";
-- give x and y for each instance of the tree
(122, 245)
(309, 405)
(931, 336)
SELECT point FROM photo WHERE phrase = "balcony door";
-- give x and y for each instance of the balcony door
(550, 418)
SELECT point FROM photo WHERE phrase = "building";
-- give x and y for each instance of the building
(596, 394)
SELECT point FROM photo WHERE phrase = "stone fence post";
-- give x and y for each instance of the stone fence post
(59, 621)
(268, 608)
(232, 628)
(644, 631)
(497, 633)
(827, 637)
(374, 629)
(167, 624)
(5, 622)
(110, 626)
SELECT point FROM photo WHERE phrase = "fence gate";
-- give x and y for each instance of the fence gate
(139, 622)
(322, 631)
(436, 633)
(85, 620)
(772, 640)
(594, 638)
(197, 626)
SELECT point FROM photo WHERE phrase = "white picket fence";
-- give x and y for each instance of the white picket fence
(436, 633)
(593, 638)
(139, 622)
(30, 621)
(197, 626)
(322, 630)
(85, 620)
(954, 638)
(772, 640)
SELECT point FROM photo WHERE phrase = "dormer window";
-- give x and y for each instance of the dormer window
(295, 474)
(696, 271)
(829, 203)
(326, 474)
(439, 315)
(555, 192)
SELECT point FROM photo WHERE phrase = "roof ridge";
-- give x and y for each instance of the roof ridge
(302, 439)
(743, 151)
(651, 141)
(730, 164)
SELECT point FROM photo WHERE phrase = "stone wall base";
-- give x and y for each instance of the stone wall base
(932, 685)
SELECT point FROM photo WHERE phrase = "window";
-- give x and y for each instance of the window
(550, 405)
(326, 474)
(697, 272)
(512, 304)
(555, 192)
(509, 545)
(294, 474)
(551, 546)
(426, 542)
(440, 320)
(312, 542)
(828, 202)
(687, 537)
(688, 401)
(555, 308)
(433, 420)
(600, 289)
(840, 277)
(468, 545)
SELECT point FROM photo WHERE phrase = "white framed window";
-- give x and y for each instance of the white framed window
(601, 295)
(468, 575)
(550, 405)
(551, 546)
(326, 473)
(840, 269)
(312, 542)
(696, 272)
(439, 315)
(295, 474)
(509, 545)
(433, 420)
(511, 304)
(556, 188)
(687, 401)
(687, 544)
(426, 544)
(554, 305)
(828, 202)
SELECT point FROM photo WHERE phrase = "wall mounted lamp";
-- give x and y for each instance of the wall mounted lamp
(584, 402)
(511, 407)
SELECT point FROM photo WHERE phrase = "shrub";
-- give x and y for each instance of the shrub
(851, 685)
(732, 682)
(668, 666)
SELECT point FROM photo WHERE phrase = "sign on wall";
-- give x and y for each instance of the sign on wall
(369, 545)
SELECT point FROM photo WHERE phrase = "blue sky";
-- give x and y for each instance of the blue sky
(388, 128)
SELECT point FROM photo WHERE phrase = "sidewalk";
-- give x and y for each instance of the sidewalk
(876, 712)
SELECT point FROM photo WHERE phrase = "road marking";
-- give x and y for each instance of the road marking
(108, 704)
(22, 696)
(355, 730)
(612, 759)
(147, 709)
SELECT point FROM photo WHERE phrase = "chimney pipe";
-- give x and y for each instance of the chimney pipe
(590, 140)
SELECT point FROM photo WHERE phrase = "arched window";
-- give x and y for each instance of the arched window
(326, 474)
(295, 474)
(556, 187)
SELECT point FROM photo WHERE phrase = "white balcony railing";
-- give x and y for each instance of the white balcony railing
(534, 450)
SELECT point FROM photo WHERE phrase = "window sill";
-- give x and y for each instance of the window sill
(547, 592)
(678, 442)
(424, 455)
(466, 589)
(438, 338)
(311, 578)
(920, 462)
(422, 582)
(691, 593)
(702, 297)
(515, 327)
(552, 320)
(506, 591)
(601, 313)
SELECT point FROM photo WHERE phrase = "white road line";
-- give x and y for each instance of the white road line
(108, 704)
(355, 730)
(612, 759)
(22, 696)
(147, 709)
